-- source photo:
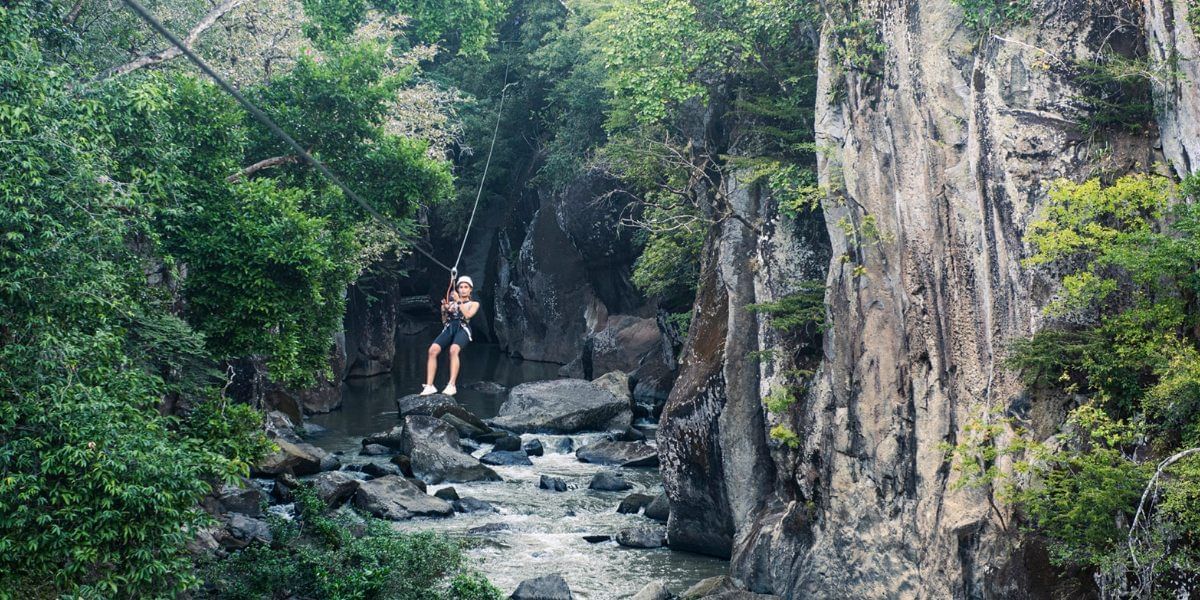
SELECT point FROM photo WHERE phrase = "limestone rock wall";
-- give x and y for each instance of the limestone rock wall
(1172, 41)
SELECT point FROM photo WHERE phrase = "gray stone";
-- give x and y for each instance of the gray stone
(659, 509)
(606, 481)
(625, 454)
(509, 443)
(553, 484)
(375, 450)
(380, 469)
(634, 503)
(548, 587)
(433, 449)
(240, 531)
(533, 448)
(416, 404)
(518, 458)
(655, 590)
(486, 387)
(597, 538)
(388, 439)
(247, 499)
(489, 529)
(643, 537)
(449, 494)
(561, 406)
(468, 504)
(335, 487)
(617, 383)
(397, 499)
(294, 457)
(564, 445)
(403, 463)
(464, 429)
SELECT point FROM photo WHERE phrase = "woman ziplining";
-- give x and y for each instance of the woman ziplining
(457, 310)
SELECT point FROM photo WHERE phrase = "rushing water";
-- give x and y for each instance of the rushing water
(542, 531)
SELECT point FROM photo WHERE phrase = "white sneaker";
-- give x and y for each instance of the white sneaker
(450, 390)
(427, 390)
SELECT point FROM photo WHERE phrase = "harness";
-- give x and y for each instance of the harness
(456, 318)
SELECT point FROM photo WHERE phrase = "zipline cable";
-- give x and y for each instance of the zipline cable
(262, 117)
(483, 178)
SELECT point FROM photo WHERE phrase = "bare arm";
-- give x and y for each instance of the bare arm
(469, 309)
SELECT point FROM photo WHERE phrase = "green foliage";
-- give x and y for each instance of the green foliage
(797, 311)
(1117, 92)
(779, 400)
(983, 16)
(669, 266)
(1127, 255)
(785, 435)
(318, 555)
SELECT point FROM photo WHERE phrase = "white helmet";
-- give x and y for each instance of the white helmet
(466, 280)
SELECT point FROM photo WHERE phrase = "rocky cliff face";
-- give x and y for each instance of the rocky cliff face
(935, 169)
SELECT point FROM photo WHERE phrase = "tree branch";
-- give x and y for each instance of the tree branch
(266, 163)
(166, 54)
(74, 14)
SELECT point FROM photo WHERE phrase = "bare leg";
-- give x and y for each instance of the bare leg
(431, 365)
(454, 350)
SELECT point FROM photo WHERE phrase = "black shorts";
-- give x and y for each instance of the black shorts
(453, 333)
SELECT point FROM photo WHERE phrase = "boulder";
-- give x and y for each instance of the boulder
(416, 404)
(553, 484)
(517, 458)
(659, 509)
(489, 528)
(388, 439)
(607, 481)
(432, 447)
(562, 406)
(596, 539)
(643, 537)
(469, 446)
(549, 587)
(294, 457)
(468, 505)
(633, 345)
(403, 463)
(617, 383)
(246, 498)
(629, 434)
(634, 503)
(533, 448)
(396, 498)
(281, 492)
(485, 387)
(625, 454)
(508, 443)
(491, 437)
(464, 428)
(464, 415)
(563, 445)
(375, 450)
(449, 494)
(655, 590)
(240, 531)
(335, 487)
(709, 587)
(421, 485)
(380, 469)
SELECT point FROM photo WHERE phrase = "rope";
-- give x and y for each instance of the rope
(262, 117)
(482, 178)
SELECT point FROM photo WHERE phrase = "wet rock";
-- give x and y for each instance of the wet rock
(517, 458)
(533, 448)
(388, 439)
(469, 446)
(486, 387)
(240, 531)
(247, 499)
(617, 383)
(564, 445)
(549, 587)
(329, 462)
(629, 434)
(281, 492)
(415, 404)
(655, 590)
(205, 543)
(404, 463)
(709, 587)
(469, 505)
(491, 436)
(634, 503)
(643, 537)
(432, 447)
(449, 494)
(375, 450)
(659, 509)
(509, 443)
(335, 487)
(489, 528)
(397, 499)
(311, 429)
(553, 484)
(421, 485)
(606, 481)
(294, 457)
(625, 454)
(464, 429)
(562, 406)
(380, 470)
(596, 539)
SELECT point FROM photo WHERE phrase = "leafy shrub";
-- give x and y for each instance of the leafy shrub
(318, 555)
(797, 311)
(982, 16)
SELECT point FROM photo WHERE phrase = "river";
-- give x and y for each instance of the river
(542, 530)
